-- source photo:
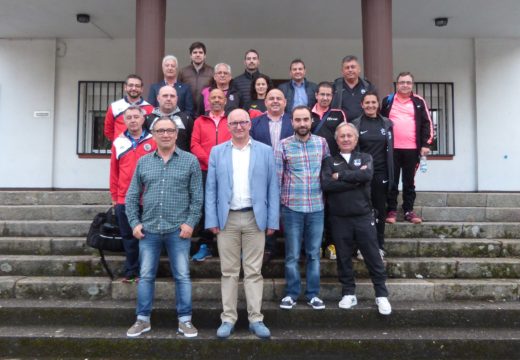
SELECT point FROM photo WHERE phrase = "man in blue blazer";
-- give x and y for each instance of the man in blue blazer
(242, 205)
(270, 128)
(273, 122)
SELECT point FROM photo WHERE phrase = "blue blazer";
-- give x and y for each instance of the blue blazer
(184, 97)
(260, 128)
(263, 184)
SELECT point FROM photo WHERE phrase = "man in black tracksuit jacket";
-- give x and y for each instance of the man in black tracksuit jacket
(345, 179)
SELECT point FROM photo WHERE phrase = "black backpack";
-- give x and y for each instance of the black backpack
(104, 235)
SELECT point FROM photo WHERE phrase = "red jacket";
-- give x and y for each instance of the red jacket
(123, 162)
(114, 122)
(205, 135)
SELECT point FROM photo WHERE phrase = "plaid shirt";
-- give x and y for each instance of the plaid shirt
(298, 165)
(172, 192)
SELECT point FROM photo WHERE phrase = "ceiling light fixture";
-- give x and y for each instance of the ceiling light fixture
(441, 21)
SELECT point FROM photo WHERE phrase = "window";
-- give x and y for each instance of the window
(94, 97)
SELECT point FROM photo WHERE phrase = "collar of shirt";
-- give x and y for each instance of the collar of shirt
(317, 110)
(175, 152)
(134, 141)
(296, 85)
(346, 157)
(215, 118)
(272, 119)
(233, 146)
(134, 103)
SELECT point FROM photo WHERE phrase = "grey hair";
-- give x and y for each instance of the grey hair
(342, 125)
(163, 118)
(170, 57)
(223, 64)
(135, 107)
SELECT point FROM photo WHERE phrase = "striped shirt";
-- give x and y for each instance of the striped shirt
(298, 165)
(171, 192)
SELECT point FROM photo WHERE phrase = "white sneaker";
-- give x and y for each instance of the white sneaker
(348, 301)
(383, 305)
(359, 256)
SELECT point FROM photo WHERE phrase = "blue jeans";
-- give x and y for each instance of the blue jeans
(178, 250)
(309, 226)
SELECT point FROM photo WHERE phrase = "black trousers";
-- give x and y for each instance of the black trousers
(359, 231)
(407, 161)
(379, 194)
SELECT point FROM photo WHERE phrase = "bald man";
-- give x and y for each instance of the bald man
(241, 213)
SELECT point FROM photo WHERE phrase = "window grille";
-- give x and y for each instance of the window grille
(94, 97)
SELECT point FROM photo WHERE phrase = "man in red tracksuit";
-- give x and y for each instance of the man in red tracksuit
(114, 123)
(208, 131)
(127, 148)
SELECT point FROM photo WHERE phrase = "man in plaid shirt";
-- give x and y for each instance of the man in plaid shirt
(298, 161)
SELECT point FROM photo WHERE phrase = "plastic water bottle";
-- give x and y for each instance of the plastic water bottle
(423, 164)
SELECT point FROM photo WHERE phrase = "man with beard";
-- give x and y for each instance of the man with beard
(197, 74)
(298, 164)
(114, 121)
(243, 82)
(167, 99)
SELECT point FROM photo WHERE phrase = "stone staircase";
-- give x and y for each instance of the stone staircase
(453, 284)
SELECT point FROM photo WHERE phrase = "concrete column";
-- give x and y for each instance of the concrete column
(149, 40)
(377, 44)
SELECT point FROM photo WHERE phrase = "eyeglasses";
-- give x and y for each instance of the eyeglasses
(405, 82)
(137, 86)
(324, 95)
(165, 131)
(235, 124)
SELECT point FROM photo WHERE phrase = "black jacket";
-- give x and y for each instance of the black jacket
(350, 194)
(388, 126)
(243, 85)
(423, 122)
(353, 108)
(183, 133)
(288, 90)
(332, 119)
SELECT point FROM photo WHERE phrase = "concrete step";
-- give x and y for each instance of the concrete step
(428, 213)
(102, 197)
(45, 246)
(406, 268)
(471, 214)
(51, 341)
(395, 247)
(70, 197)
(484, 230)
(102, 288)
(51, 212)
(442, 230)
(467, 199)
(45, 228)
(206, 314)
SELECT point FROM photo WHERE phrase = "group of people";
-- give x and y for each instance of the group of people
(241, 155)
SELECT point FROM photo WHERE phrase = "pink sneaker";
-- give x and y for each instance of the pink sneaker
(412, 217)
(391, 217)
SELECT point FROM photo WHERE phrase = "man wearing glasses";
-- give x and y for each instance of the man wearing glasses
(170, 184)
(114, 121)
(241, 212)
(413, 134)
(325, 119)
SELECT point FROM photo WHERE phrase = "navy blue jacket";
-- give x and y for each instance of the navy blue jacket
(260, 128)
(288, 90)
(184, 97)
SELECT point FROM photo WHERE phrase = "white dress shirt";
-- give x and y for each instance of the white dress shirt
(241, 193)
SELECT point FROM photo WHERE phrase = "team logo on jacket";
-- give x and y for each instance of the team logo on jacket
(357, 162)
(383, 132)
(363, 91)
(147, 147)
(231, 97)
